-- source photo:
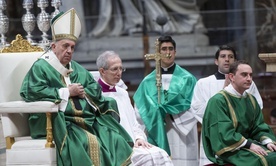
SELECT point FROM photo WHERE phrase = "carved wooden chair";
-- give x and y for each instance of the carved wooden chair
(21, 149)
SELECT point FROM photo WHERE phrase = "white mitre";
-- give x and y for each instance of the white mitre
(66, 26)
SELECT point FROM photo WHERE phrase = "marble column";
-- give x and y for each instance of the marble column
(251, 40)
(270, 60)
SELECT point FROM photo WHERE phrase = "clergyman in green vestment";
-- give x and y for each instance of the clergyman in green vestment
(169, 124)
(86, 130)
(233, 129)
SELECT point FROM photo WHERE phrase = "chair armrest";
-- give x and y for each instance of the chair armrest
(28, 107)
(13, 108)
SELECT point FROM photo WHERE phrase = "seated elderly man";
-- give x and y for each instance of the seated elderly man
(110, 69)
(84, 130)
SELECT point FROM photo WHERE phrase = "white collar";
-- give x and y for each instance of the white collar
(232, 90)
(167, 68)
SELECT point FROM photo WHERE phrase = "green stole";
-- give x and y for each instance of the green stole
(173, 101)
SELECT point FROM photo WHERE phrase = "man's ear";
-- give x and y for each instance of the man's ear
(231, 76)
(101, 70)
(216, 62)
(53, 45)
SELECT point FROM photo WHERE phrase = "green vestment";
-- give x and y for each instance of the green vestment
(82, 136)
(228, 121)
(173, 101)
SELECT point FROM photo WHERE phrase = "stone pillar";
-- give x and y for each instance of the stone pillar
(251, 40)
(270, 60)
(235, 19)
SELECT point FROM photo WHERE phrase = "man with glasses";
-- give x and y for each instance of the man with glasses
(110, 68)
(207, 87)
(169, 124)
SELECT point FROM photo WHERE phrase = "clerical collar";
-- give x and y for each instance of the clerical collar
(106, 87)
(219, 76)
(168, 70)
(232, 90)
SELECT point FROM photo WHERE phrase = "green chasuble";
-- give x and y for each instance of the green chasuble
(229, 120)
(173, 101)
(83, 135)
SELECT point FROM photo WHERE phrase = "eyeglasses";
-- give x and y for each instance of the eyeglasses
(116, 69)
(167, 48)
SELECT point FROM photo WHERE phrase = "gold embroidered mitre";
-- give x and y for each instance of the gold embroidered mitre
(66, 26)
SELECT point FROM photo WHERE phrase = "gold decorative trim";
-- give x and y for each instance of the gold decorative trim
(72, 28)
(9, 142)
(94, 149)
(49, 131)
(65, 36)
(231, 110)
(260, 156)
(231, 147)
(21, 45)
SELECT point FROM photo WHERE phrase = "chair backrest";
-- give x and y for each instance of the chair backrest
(14, 67)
